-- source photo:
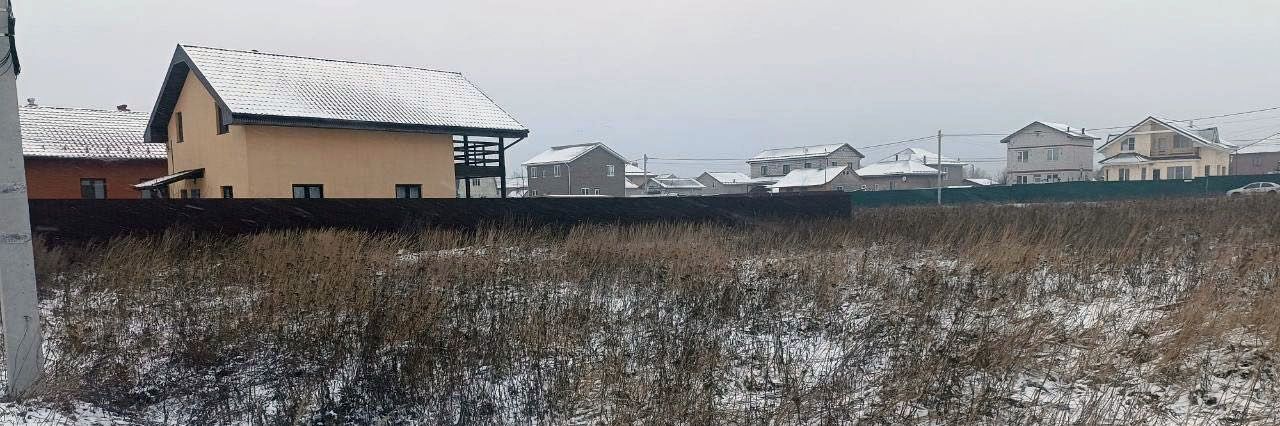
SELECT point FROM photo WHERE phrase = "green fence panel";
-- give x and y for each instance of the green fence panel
(1061, 192)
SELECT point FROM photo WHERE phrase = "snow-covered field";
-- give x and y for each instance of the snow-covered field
(1001, 317)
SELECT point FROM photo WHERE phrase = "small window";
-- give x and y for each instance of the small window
(786, 168)
(222, 128)
(1208, 170)
(1023, 156)
(585, 191)
(808, 165)
(533, 171)
(1129, 144)
(610, 170)
(227, 192)
(408, 191)
(595, 191)
(475, 182)
(1257, 161)
(177, 118)
(764, 170)
(308, 191)
(195, 192)
(1053, 154)
(93, 189)
(839, 188)
(555, 170)
(182, 194)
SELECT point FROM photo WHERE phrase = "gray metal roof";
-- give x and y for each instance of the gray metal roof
(85, 133)
(274, 89)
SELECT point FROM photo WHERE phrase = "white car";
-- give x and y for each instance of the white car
(1256, 188)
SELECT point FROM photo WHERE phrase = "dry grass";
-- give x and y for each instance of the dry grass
(1054, 314)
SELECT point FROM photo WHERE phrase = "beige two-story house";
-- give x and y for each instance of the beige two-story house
(246, 124)
(1045, 152)
(1156, 149)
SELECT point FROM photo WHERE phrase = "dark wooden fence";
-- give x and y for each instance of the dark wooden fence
(92, 219)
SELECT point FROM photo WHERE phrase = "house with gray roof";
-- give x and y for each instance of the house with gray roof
(250, 124)
(1043, 152)
(1257, 158)
(671, 185)
(582, 169)
(778, 162)
(1157, 149)
(911, 168)
(87, 153)
(717, 183)
(835, 178)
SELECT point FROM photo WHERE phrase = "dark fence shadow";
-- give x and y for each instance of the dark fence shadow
(1062, 192)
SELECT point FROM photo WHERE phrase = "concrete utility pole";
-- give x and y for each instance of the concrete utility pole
(939, 160)
(22, 339)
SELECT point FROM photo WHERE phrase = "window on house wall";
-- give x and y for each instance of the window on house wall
(1143, 173)
(1052, 177)
(408, 191)
(1128, 144)
(1181, 142)
(786, 168)
(1053, 154)
(182, 193)
(1179, 172)
(177, 118)
(1021, 179)
(584, 191)
(1155, 174)
(1106, 174)
(1208, 170)
(1257, 161)
(595, 191)
(1022, 156)
(93, 189)
(1122, 174)
(533, 172)
(475, 182)
(610, 170)
(308, 191)
(764, 170)
(222, 128)
(555, 170)
(195, 192)
(1035, 178)
(227, 192)
(808, 165)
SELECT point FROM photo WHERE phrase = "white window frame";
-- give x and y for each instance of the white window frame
(1053, 154)
(1023, 155)
(610, 170)
(555, 170)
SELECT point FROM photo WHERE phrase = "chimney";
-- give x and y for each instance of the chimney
(122, 107)
(31, 102)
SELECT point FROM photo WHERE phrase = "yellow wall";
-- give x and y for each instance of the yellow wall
(223, 157)
(349, 163)
(1217, 160)
(266, 161)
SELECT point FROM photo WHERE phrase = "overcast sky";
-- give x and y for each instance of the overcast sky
(718, 78)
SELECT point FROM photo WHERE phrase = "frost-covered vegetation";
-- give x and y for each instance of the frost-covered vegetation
(1152, 312)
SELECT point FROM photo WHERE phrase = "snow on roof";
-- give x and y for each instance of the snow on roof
(809, 177)
(1206, 136)
(799, 152)
(634, 170)
(519, 193)
(919, 155)
(678, 183)
(565, 154)
(1266, 145)
(1126, 158)
(732, 178)
(897, 168)
(981, 181)
(293, 86)
(517, 182)
(1075, 132)
(85, 133)
(626, 184)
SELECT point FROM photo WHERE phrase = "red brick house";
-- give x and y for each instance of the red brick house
(87, 153)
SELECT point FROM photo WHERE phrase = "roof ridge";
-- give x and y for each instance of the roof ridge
(576, 145)
(347, 61)
(80, 109)
(808, 146)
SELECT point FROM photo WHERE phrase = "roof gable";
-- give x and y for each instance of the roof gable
(1200, 136)
(1074, 132)
(731, 178)
(85, 133)
(260, 88)
(567, 154)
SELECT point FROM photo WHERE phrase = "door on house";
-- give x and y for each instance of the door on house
(1155, 174)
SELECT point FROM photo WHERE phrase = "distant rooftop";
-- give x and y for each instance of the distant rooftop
(565, 154)
(897, 168)
(678, 183)
(799, 152)
(919, 155)
(809, 177)
(85, 133)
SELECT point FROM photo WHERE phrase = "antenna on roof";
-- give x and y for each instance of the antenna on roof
(31, 102)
